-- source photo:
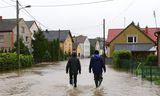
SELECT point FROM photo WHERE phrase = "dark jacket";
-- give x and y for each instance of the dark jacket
(73, 66)
(97, 64)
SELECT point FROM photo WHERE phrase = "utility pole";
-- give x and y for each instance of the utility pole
(104, 53)
(59, 44)
(18, 44)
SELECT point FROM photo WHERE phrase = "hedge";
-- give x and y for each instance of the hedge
(152, 60)
(8, 61)
(119, 56)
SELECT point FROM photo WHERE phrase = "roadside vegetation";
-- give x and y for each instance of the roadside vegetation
(42, 51)
(146, 67)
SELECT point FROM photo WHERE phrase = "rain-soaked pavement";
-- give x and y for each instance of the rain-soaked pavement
(51, 80)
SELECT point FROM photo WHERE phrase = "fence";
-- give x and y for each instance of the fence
(151, 72)
(139, 68)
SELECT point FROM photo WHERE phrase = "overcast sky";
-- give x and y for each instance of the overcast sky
(86, 19)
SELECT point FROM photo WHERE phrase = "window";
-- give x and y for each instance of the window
(26, 38)
(1, 38)
(132, 39)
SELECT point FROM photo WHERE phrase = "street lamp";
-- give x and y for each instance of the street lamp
(17, 21)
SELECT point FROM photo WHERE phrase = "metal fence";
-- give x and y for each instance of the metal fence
(140, 68)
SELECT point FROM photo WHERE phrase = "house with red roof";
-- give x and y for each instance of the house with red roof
(140, 41)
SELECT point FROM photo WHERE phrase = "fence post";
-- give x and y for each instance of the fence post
(150, 71)
(142, 69)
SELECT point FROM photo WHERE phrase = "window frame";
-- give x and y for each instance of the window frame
(134, 38)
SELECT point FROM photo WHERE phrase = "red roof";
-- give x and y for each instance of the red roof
(113, 33)
(150, 32)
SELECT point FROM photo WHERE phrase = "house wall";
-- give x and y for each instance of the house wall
(24, 33)
(7, 40)
(122, 38)
(97, 46)
(81, 49)
(33, 29)
(86, 48)
(78, 51)
(68, 45)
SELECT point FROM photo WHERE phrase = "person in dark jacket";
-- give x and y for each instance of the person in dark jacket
(97, 65)
(73, 67)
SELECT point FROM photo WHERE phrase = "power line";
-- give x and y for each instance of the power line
(33, 17)
(124, 10)
(75, 4)
(7, 3)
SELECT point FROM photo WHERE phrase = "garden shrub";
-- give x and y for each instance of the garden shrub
(152, 60)
(8, 61)
(121, 56)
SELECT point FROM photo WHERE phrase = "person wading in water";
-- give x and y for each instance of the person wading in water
(73, 67)
(97, 65)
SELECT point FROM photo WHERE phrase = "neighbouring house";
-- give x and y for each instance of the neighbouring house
(101, 43)
(76, 48)
(65, 37)
(94, 43)
(84, 45)
(140, 41)
(8, 33)
(32, 25)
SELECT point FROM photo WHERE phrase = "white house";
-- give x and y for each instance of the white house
(84, 45)
(32, 25)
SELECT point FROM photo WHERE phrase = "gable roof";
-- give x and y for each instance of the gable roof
(150, 32)
(55, 34)
(29, 23)
(7, 25)
(93, 42)
(80, 39)
(113, 33)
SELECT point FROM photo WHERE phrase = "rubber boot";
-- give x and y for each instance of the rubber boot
(96, 83)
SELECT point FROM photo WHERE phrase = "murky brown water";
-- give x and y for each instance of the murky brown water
(52, 81)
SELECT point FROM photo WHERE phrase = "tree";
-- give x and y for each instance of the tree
(23, 49)
(39, 45)
(92, 49)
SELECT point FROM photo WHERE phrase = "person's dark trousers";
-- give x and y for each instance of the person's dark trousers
(98, 79)
(73, 79)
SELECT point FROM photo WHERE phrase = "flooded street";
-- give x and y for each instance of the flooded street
(52, 80)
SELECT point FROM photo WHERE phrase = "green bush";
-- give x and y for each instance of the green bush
(152, 60)
(120, 56)
(8, 61)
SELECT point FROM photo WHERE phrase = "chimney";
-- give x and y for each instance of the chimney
(146, 29)
(1, 18)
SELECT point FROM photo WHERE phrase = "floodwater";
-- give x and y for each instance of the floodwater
(52, 80)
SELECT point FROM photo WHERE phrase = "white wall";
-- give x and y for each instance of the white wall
(33, 29)
(86, 48)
